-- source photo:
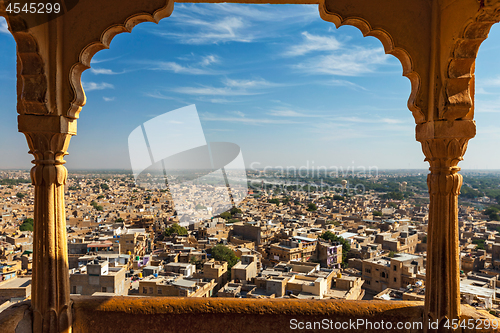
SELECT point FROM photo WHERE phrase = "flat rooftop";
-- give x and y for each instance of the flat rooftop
(16, 283)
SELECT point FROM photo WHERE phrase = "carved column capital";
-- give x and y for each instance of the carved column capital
(444, 143)
(49, 150)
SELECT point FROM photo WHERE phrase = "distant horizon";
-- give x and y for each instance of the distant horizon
(130, 171)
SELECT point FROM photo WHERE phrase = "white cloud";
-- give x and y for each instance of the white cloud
(4, 28)
(231, 88)
(287, 113)
(245, 120)
(353, 62)
(238, 113)
(207, 90)
(245, 84)
(208, 60)
(89, 86)
(104, 71)
(491, 106)
(180, 69)
(222, 23)
(226, 29)
(108, 99)
(313, 43)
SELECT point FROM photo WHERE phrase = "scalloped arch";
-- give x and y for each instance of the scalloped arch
(387, 41)
(458, 90)
(106, 37)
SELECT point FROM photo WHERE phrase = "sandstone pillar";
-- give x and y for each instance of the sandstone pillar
(48, 139)
(444, 143)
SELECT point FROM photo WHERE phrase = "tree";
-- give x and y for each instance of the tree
(20, 195)
(199, 206)
(312, 207)
(27, 225)
(274, 201)
(480, 244)
(223, 253)
(338, 197)
(105, 186)
(119, 219)
(225, 215)
(235, 210)
(346, 247)
(175, 229)
(377, 213)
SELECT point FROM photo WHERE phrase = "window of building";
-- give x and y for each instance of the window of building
(160, 291)
(395, 268)
(144, 290)
(150, 290)
(103, 289)
(395, 280)
(368, 270)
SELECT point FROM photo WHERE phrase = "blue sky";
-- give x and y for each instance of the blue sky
(286, 86)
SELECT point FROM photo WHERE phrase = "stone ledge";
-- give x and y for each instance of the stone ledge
(173, 314)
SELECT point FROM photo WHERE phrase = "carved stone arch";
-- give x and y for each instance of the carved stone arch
(389, 47)
(31, 78)
(107, 36)
(457, 98)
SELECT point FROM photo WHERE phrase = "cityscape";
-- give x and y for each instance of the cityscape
(283, 240)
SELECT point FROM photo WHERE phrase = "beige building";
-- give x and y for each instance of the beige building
(246, 269)
(176, 286)
(99, 278)
(214, 270)
(397, 272)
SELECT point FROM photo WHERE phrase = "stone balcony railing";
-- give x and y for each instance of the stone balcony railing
(172, 314)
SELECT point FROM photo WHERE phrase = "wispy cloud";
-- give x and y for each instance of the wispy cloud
(104, 71)
(89, 86)
(209, 59)
(223, 23)
(180, 69)
(231, 88)
(487, 106)
(98, 61)
(108, 99)
(353, 62)
(222, 30)
(368, 120)
(4, 28)
(245, 120)
(287, 113)
(238, 113)
(219, 91)
(313, 43)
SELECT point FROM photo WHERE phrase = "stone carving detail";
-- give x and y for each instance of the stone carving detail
(50, 296)
(457, 96)
(32, 82)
